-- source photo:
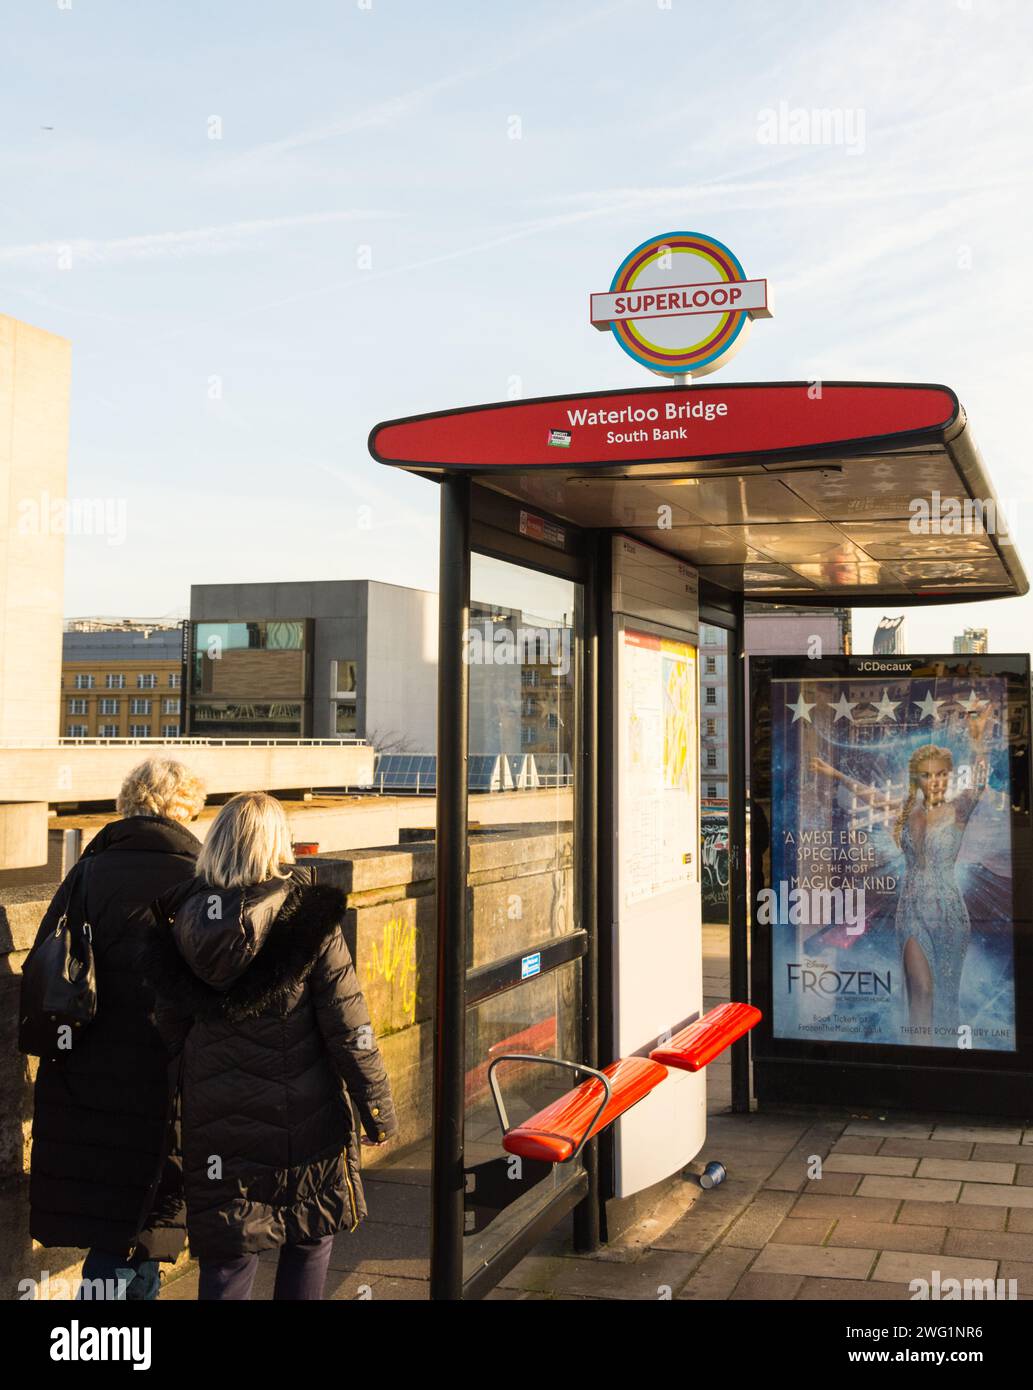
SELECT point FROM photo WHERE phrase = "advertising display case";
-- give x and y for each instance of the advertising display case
(892, 917)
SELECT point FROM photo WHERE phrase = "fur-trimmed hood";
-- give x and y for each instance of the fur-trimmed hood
(270, 1061)
(230, 953)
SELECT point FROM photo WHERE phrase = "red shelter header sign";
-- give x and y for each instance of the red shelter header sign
(681, 423)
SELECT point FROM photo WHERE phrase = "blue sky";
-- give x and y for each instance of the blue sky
(366, 240)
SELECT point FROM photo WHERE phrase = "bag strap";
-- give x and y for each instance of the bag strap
(77, 896)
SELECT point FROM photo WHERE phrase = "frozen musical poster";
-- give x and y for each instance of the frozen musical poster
(888, 894)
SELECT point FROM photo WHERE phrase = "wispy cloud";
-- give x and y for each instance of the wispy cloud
(198, 241)
(388, 113)
(737, 194)
(383, 113)
(360, 281)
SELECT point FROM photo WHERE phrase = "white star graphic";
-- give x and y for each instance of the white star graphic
(844, 709)
(972, 703)
(886, 706)
(801, 709)
(930, 708)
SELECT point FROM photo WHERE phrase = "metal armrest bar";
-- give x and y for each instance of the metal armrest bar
(500, 1108)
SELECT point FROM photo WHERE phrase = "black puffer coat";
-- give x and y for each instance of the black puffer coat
(258, 990)
(100, 1118)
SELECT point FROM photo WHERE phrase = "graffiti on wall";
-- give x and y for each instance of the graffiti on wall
(714, 866)
(394, 960)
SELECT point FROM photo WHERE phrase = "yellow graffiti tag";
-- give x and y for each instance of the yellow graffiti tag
(395, 962)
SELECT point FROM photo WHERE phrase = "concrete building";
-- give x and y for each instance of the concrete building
(788, 631)
(121, 684)
(768, 632)
(713, 715)
(974, 640)
(349, 658)
(35, 378)
(889, 637)
(144, 625)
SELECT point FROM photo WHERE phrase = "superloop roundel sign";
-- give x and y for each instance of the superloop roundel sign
(681, 304)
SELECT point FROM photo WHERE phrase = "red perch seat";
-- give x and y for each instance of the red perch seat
(702, 1041)
(556, 1133)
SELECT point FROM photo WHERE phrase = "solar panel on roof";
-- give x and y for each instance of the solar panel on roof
(487, 772)
(405, 772)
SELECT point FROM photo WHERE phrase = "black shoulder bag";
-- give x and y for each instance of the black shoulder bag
(59, 979)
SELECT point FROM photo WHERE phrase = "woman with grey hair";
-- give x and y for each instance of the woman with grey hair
(101, 1178)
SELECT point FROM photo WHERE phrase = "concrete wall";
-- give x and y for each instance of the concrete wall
(23, 834)
(521, 892)
(71, 773)
(352, 824)
(35, 376)
(366, 821)
(399, 695)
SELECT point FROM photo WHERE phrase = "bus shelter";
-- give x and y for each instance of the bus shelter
(583, 542)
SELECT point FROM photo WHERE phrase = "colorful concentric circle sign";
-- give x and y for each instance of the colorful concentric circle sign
(681, 304)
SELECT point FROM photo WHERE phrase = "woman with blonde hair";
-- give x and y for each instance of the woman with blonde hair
(100, 1178)
(932, 922)
(259, 998)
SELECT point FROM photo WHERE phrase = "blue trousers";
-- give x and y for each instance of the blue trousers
(132, 1279)
(300, 1274)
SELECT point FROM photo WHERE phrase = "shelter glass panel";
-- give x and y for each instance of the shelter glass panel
(524, 658)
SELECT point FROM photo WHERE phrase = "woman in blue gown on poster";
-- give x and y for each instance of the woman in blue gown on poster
(932, 922)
